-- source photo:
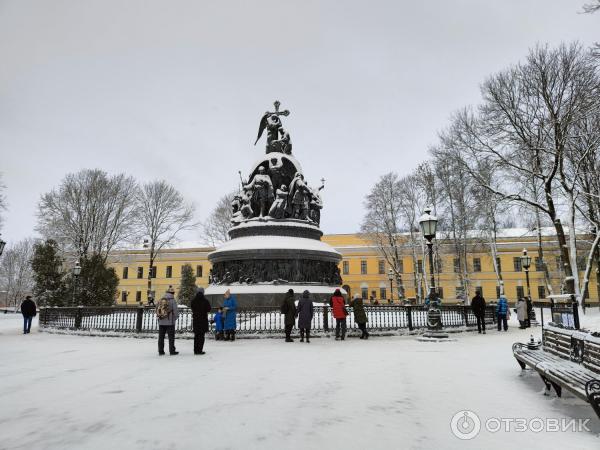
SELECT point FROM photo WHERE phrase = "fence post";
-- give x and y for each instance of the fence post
(139, 318)
(466, 315)
(78, 317)
(409, 317)
(325, 318)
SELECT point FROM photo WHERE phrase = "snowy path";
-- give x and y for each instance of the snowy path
(73, 392)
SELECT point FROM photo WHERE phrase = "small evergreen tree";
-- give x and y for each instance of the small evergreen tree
(96, 285)
(187, 288)
(49, 286)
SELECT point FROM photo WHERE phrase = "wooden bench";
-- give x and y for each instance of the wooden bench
(569, 359)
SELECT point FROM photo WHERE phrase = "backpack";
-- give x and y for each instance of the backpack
(163, 310)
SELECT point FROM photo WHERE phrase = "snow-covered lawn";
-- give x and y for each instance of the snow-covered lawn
(74, 392)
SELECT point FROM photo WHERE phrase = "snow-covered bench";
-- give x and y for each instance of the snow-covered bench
(569, 359)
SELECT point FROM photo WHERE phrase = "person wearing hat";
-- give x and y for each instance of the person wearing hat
(288, 308)
(305, 316)
(200, 309)
(167, 314)
(338, 308)
(360, 316)
(230, 310)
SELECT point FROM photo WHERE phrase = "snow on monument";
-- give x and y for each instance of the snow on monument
(275, 236)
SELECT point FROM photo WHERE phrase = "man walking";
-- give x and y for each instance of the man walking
(29, 310)
(167, 314)
(200, 309)
(478, 307)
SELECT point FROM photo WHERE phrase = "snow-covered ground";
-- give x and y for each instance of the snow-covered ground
(74, 392)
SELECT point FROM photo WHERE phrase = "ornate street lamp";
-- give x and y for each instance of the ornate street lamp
(391, 278)
(149, 292)
(2, 244)
(526, 264)
(76, 272)
(428, 224)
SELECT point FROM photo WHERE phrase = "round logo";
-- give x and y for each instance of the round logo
(465, 425)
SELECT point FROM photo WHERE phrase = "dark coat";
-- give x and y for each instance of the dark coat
(288, 307)
(305, 312)
(200, 308)
(360, 316)
(28, 308)
(478, 306)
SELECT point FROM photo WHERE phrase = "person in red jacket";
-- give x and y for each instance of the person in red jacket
(338, 308)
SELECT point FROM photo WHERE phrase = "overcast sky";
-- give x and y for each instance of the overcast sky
(176, 89)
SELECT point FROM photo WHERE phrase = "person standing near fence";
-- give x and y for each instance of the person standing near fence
(478, 308)
(522, 313)
(167, 314)
(338, 308)
(230, 311)
(288, 308)
(502, 312)
(360, 316)
(305, 316)
(29, 311)
(200, 309)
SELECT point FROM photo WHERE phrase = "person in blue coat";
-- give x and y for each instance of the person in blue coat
(230, 310)
(218, 321)
(502, 313)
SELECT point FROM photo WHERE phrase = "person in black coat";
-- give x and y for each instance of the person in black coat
(200, 309)
(29, 310)
(478, 307)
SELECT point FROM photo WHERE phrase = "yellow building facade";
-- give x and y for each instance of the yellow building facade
(364, 269)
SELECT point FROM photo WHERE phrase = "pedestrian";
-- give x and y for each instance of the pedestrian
(305, 316)
(478, 308)
(230, 312)
(360, 316)
(522, 313)
(338, 308)
(218, 321)
(288, 308)
(502, 312)
(200, 309)
(29, 311)
(167, 314)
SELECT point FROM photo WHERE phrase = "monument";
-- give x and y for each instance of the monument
(275, 240)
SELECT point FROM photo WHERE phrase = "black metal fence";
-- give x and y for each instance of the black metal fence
(255, 320)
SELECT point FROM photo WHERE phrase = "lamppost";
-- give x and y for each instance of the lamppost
(428, 224)
(76, 272)
(149, 294)
(526, 263)
(391, 278)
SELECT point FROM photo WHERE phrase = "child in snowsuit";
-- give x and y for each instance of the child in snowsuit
(218, 321)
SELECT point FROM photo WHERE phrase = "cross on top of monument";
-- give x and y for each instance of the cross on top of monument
(285, 112)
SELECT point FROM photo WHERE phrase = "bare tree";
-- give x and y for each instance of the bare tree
(89, 213)
(592, 7)
(412, 203)
(215, 228)
(162, 215)
(16, 274)
(525, 127)
(381, 224)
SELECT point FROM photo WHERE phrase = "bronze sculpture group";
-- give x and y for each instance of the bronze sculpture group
(277, 189)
